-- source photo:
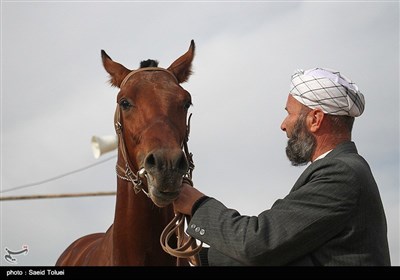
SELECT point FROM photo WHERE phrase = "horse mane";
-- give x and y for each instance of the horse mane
(148, 63)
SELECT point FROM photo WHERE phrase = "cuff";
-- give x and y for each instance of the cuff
(198, 203)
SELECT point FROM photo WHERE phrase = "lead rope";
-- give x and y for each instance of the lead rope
(187, 247)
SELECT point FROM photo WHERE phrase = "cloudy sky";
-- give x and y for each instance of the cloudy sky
(55, 96)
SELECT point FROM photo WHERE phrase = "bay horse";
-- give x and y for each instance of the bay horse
(152, 127)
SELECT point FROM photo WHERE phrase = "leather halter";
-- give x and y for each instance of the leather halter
(136, 177)
(185, 248)
(146, 69)
(129, 175)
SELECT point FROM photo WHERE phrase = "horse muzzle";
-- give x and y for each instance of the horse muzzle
(163, 192)
(164, 170)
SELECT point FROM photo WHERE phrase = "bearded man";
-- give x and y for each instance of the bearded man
(333, 215)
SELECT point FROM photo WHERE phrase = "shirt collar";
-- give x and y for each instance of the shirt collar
(322, 156)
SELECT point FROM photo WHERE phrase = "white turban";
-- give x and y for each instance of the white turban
(327, 90)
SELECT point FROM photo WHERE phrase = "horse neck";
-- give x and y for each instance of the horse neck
(137, 227)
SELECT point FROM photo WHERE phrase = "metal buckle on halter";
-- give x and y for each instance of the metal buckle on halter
(118, 127)
(136, 181)
(142, 173)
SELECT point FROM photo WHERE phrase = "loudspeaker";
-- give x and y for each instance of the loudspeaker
(103, 144)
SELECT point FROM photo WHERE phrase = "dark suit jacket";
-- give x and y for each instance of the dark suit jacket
(332, 216)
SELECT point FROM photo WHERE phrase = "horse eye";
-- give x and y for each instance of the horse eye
(187, 105)
(125, 105)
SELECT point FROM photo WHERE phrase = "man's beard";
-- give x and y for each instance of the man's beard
(301, 144)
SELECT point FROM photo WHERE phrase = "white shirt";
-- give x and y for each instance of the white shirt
(323, 155)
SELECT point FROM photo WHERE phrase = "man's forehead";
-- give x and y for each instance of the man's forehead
(292, 103)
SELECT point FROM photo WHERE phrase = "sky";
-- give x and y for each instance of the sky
(55, 96)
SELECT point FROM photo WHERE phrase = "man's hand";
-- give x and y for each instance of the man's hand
(188, 196)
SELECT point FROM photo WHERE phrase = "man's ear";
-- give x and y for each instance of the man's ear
(314, 120)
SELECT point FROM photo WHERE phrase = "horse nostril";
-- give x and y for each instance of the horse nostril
(161, 161)
(150, 162)
(182, 163)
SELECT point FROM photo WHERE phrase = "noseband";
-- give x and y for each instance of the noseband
(185, 248)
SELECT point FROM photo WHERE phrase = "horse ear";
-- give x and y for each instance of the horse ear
(182, 67)
(117, 71)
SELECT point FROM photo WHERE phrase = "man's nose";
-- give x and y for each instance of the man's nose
(283, 126)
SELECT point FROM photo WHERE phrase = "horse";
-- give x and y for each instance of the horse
(151, 121)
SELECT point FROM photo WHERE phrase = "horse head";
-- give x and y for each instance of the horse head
(151, 123)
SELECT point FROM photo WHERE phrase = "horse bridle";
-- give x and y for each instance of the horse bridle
(136, 178)
(185, 249)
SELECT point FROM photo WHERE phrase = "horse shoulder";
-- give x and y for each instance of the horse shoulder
(87, 250)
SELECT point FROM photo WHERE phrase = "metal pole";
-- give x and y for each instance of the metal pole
(23, 197)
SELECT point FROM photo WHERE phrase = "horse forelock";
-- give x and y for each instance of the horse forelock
(148, 63)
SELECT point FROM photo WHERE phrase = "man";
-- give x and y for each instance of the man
(333, 215)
